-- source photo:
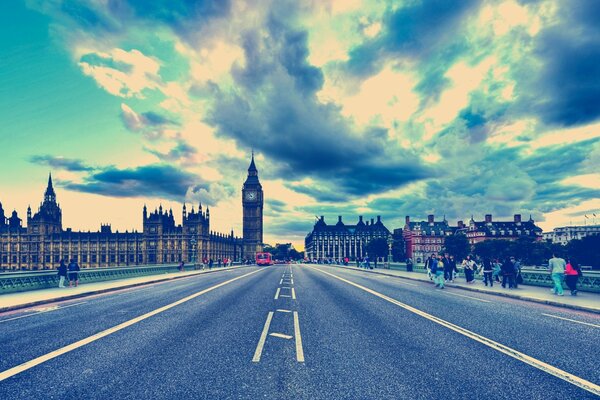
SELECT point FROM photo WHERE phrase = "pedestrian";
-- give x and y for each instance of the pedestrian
(447, 267)
(219, 263)
(62, 273)
(428, 263)
(73, 273)
(497, 271)
(557, 266)
(508, 273)
(180, 266)
(469, 269)
(572, 273)
(488, 270)
(367, 262)
(210, 263)
(517, 267)
(409, 264)
(436, 267)
(453, 269)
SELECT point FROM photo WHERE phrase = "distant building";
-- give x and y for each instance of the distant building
(478, 231)
(565, 234)
(423, 238)
(336, 242)
(427, 237)
(43, 242)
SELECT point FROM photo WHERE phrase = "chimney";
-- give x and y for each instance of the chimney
(461, 224)
(322, 218)
(517, 217)
(379, 218)
(339, 218)
(407, 219)
(372, 221)
(488, 218)
(360, 218)
(430, 218)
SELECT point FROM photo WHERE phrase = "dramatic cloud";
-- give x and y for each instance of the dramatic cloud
(68, 164)
(150, 124)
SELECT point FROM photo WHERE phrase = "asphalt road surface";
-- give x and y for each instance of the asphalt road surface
(298, 332)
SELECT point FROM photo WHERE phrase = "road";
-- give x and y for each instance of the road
(305, 332)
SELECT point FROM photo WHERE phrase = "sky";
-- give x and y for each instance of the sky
(352, 107)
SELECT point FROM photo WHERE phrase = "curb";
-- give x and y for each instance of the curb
(474, 289)
(111, 289)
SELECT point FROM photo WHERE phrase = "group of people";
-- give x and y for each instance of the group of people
(221, 262)
(71, 271)
(442, 269)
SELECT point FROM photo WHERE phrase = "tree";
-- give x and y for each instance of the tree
(398, 249)
(492, 249)
(585, 251)
(457, 246)
(377, 248)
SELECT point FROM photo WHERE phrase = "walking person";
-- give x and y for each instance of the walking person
(508, 273)
(62, 273)
(210, 263)
(557, 266)
(409, 264)
(436, 268)
(572, 272)
(469, 268)
(497, 271)
(447, 268)
(428, 263)
(453, 269)
(517, 267)
(488, 270)
(219, 263)
(73, 273)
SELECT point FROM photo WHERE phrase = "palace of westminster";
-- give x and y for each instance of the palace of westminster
(43, 242)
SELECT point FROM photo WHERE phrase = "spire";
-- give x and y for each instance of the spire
(252, 168)
(50, 195)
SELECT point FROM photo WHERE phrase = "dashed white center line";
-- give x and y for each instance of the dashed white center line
(281, 335)
(299, 350)
(283, 295)
(263, 338)
(572, 320)
(281, 281)
(293, 293)
(277, 293)
(282, 310)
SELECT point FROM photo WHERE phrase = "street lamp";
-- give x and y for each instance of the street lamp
(390, 241)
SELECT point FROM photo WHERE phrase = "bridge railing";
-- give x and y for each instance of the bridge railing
(12, 282)
(534, 276)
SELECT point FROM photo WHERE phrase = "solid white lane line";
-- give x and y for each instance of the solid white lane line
(57, 308)
(299, 350)
(281, 335)
(39, 360)
(468, 297)
(293, 293)
(566, 376)
(277, 293)
(572, 320)
(282, 310)
(263, 338)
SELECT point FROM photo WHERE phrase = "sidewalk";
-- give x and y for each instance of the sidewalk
(585, 301)
(14, 301)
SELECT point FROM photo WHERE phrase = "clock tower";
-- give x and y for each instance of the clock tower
(252, 203)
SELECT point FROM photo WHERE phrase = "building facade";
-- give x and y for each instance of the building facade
(42, 243)
(336, 242)
(252, 204)
(428, 237)
(565, 234)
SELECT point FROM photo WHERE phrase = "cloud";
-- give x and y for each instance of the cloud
(62, 163)
(181, 152)
(156, 180)
(150, 124)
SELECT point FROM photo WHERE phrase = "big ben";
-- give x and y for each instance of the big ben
(252, 202)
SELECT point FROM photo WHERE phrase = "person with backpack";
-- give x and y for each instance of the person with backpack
(508, 273)
(572, 274)
(73, 273)
(488, 269)
(436, 268)
(517, 267)
(62, 273)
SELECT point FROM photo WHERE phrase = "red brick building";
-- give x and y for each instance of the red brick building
(425, 237)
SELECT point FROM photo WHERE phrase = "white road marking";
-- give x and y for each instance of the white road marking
(286, 287)
(468, 297)
(293, 293)
(39, 360)
(281, 335)
(55, 308)
(277, 293)
(281, 281)
(292, 281)
(283, 295)
(263, 338)
(299, 350)
(566, 376)
(572, 320)
(282, 310)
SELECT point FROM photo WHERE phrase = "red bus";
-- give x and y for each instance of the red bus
(264, 259)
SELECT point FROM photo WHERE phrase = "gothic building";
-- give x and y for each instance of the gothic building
(336, 242)
(43, 242)
(252, 203)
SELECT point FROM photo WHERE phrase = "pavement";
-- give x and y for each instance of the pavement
(587, 301)
(300, 331)
(14, 301)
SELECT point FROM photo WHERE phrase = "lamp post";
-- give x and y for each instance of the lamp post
(193, 243)
(390, 242)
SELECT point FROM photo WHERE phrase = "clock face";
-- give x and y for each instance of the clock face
(250, 195)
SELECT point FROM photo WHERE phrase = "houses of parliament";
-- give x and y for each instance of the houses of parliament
(43, 242)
